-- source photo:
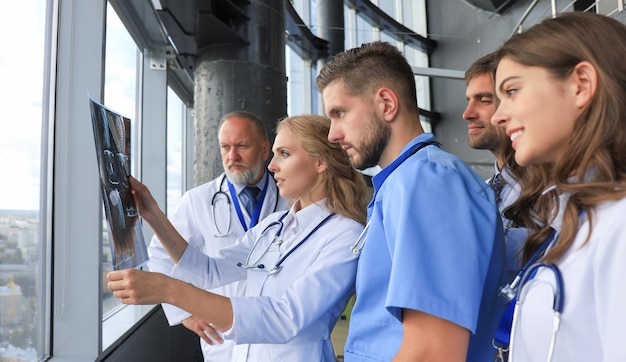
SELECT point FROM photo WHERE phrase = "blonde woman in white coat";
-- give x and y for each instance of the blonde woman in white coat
(299, 266)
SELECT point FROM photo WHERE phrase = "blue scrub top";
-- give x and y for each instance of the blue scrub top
(434, 244)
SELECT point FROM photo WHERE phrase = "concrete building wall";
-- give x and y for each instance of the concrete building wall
(463, 34)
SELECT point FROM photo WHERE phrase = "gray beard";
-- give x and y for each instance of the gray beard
(245, 177)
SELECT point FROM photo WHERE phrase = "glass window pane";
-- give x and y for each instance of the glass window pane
(365, 31)
(386, 36)
(120, 84)
(414, 16)
(295, 82)
(176, 111)
(21, 258)
(388, 7)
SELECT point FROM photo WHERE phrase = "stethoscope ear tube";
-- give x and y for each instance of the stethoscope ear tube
(557, 304)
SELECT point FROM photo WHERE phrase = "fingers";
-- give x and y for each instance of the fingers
(192, 324)
(116, 275)
(125, 285)
(146, 204)
(134, 182)
(203, 329)
(212, 332)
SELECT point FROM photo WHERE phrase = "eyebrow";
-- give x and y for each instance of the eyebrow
(482, 94)
(501, 86)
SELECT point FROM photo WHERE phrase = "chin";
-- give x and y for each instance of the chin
(524, 161)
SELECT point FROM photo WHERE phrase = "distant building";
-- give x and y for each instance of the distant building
(13, 306)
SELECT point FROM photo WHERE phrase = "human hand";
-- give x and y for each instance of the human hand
(146, 204)
(139, 287)
(205, 330)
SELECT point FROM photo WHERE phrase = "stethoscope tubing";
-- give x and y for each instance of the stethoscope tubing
(557, 305)
(219, 193)
(279, 264)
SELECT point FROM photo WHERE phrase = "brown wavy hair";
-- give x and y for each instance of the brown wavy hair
(596, 153)
(344, 186)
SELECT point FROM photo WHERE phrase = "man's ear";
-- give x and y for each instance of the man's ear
(387, 103)
(265, 150)
(585, 77)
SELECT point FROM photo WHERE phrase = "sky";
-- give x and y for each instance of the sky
(21, 72)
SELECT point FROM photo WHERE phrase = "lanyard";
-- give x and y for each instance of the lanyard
(503, 333)
(502, 339)
(385, 172)
(254, 218)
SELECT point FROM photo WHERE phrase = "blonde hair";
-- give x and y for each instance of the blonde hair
(344, 186)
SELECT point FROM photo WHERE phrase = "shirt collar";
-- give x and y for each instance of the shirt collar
(379, 178)
(260, 184)
(563, 197)
(310, 215)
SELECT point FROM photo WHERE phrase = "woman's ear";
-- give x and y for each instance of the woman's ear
(320, 166)
(585, 77)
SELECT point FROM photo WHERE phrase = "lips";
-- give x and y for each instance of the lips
(237, 165)
(515, 135)
(474, 129)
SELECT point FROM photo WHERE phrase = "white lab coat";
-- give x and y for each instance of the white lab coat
(287, 316)
(593, 319)
(193, 219)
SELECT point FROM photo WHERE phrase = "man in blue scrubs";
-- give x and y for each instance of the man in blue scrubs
(432, 259)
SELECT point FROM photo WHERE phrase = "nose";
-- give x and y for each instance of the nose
(233, 154)
(470, 111)
(334, 133)
(500, 117)
(272, 165)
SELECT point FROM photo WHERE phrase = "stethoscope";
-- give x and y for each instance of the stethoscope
(557, 304)
(360, 241)
(222, 196)
(383, 174)
(255, 262)
(512, 293)
(508, 291)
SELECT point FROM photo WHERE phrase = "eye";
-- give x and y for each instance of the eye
(510, 91)
(338, 114)
(486, 100)
(284, 154)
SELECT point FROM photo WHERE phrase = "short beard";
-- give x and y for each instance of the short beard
(246, 176)
(489, 141)
(374, 142)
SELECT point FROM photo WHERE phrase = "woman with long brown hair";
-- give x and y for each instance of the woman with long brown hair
(562, 91)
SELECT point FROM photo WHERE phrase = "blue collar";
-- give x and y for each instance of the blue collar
(419, 142)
